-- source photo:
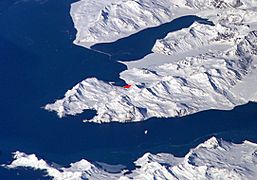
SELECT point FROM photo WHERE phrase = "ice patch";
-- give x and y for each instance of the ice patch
(213, 159)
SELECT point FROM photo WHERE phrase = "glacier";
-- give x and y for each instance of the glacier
(212, 159)
(194, 69)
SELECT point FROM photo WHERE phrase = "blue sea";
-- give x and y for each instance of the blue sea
(39, 63)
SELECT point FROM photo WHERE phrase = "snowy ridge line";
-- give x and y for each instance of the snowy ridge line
(194, 69)
(213, 159)
(107, 21)
(231, 26)
(173, 89)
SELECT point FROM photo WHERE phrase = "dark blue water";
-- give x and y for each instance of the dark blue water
(38, 63)
(138, 45)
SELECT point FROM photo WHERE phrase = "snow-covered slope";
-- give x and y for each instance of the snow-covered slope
(231, 26)
(213, 159)
(172, 89)
(106, 21)
(194, 69)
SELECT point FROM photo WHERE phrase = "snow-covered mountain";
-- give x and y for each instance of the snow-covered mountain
(231, 26)
(213, 159)
(194, 69)
(106, 21)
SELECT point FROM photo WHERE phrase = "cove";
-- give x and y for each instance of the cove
(39, 63)
(138, 45)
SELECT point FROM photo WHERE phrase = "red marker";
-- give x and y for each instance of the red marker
(127, 86)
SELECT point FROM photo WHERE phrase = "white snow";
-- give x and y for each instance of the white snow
(75, 172)
(213, 159)
(106, 21)
(194, 69)
(172, 89)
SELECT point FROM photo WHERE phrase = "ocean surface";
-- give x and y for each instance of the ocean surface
(39, 63)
